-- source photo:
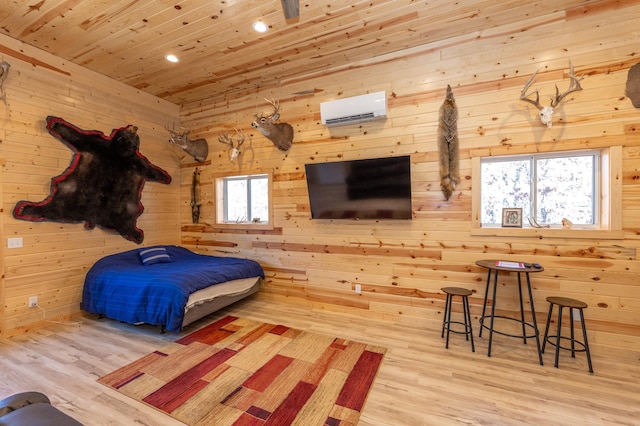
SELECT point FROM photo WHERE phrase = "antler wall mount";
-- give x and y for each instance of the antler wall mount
(546, 112)
(197, 148)
(235, 143)
(281, 134)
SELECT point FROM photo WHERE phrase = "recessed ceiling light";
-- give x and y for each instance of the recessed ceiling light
(260, 27)
(171, 58)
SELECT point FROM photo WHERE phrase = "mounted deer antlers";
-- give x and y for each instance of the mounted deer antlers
(197, 148)
(547, 111)
(281, 134)
(234, 143)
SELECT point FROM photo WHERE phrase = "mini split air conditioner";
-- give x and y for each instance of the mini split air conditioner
(357, 109)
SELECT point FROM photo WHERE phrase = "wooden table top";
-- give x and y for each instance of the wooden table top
(492, 264)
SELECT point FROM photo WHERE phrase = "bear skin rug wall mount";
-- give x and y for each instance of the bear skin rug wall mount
(102, 185)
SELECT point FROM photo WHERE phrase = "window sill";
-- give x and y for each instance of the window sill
(254, 226)
(573, 233)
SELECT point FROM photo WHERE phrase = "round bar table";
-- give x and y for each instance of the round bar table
(494, 268)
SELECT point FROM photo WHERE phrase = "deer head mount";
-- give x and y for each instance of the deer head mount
(281, 134)
(546, 112)
(198, 148)
(234, 143)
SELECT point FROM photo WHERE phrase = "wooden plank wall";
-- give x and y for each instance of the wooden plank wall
(55, 257)
(401, 266)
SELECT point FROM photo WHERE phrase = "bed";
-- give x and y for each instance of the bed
(169, 286)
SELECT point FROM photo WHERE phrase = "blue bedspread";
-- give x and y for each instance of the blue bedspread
(120, 287)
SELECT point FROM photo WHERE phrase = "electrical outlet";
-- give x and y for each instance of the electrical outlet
(33, 301)
(358, 288)
(576, 314)
(15, 242)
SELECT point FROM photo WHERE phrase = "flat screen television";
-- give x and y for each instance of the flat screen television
(376, 188)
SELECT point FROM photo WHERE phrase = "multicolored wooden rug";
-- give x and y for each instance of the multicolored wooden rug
(242, 372)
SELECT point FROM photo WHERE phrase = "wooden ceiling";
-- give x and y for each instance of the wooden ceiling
(222, 58)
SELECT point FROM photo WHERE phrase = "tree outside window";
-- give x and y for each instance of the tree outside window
(548, 187)
(243, 199)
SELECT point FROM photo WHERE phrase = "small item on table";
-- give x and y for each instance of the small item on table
(506, 264)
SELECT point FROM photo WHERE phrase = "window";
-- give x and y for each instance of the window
(584, 186)
(243, 200)
(548, 187)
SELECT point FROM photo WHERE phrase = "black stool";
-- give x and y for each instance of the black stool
(446, 321)
(565, 302)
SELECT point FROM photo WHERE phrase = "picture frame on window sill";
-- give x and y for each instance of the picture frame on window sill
(512, 218)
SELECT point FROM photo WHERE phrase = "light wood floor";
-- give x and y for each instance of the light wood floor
(419, 383)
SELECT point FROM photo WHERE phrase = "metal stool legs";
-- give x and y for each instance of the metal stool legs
(572, 304)
(446, 321)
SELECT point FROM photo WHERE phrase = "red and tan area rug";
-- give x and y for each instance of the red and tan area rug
(242, 372)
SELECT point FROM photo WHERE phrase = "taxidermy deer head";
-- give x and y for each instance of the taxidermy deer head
(546, 112)
(234, 143)
(281, 134)
(198, 148)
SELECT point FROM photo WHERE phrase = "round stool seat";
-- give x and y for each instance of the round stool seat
(451, 292)
(567, 302)
(457, 291)
(583, 346)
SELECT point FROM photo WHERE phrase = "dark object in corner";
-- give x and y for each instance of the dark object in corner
(102, 185)
(32, 408)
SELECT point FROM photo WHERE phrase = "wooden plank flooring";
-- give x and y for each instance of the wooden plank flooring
(420, 382)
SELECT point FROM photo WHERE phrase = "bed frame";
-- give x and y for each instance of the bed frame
(170, 286)
(209, 300)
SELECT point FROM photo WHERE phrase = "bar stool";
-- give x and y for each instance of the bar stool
(446, 321)
(565, 302)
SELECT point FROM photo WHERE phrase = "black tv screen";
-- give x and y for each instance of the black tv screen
(377, 188)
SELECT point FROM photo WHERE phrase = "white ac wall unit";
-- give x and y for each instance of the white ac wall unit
(356, 109)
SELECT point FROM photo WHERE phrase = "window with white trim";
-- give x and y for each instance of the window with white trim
(243, 200)
(548, 187)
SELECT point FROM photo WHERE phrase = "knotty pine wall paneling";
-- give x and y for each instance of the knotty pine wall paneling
(401, 266)
(55, 257)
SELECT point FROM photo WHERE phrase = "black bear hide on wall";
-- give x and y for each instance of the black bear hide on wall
(102, 185)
